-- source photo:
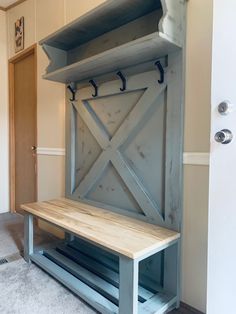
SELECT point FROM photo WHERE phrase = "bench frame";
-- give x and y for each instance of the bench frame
(128, 278)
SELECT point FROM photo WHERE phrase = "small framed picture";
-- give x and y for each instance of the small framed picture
(19, 34)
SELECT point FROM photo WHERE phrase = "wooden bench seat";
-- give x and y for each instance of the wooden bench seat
(120, 234)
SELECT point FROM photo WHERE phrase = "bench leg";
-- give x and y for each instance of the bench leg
(28, 236)
(69, 237)
(128, 288)
(172, 271)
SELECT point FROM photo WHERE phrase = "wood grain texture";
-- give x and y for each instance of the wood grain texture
(138, 51)
(103, 18)
(123, 235)
(129, 32)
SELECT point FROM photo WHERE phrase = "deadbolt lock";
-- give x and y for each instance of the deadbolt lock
(225, 107)
(224, 136)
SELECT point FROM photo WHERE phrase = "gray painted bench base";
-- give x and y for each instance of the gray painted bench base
(110, 285)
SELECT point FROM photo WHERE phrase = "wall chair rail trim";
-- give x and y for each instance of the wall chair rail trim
(194, 158)
(189, 158)
(51, 151)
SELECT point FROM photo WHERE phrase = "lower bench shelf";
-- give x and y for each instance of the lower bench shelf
(95, 282)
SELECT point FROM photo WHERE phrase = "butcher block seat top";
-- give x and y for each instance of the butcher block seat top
(123, 235)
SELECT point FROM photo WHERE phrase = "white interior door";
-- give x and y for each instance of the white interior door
(222, 192)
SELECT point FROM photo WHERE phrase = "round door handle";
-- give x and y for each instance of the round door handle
(224, 136)
(33, 148)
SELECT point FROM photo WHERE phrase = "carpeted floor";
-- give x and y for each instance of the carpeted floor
(12, 234)
(26, 289)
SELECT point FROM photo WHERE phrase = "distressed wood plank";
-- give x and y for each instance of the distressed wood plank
(127, 128)
(98, 268)
(28, 236)
(125, 131)
(104, 227)
(94, 281)
(128, 300)
(92, 297)
(158, 304)
(103, 18)
(141, 50)
(71, 138)
(149, 207)
(93, 124)
(93, 175)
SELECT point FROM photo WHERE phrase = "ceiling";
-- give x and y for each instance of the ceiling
(6, 3)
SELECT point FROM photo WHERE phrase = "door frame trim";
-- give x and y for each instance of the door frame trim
(11, 62)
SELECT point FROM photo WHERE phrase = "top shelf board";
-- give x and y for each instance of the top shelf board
(115, 35)
(106, 17)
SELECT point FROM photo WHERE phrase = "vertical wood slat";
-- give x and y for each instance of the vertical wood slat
(128, 289)
(70, 148)
(173, 172)
(171, 280)
(174, 144)
(28, 236)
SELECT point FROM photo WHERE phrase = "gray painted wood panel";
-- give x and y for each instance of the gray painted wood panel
(147, 267)
(110, 15)
(130, 32)
(138, 51)
(121, 150)
(78, 287)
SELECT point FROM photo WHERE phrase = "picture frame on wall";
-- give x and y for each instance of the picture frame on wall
(19, 34)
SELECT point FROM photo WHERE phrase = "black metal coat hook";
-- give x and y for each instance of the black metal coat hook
(162, 73)
(123, 79)
(95, 88)
(73, 90)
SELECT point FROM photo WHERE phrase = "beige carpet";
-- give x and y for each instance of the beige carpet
(26, 289)
(12, 234)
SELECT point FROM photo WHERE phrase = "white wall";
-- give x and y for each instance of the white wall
(222, 191)
(4, 156)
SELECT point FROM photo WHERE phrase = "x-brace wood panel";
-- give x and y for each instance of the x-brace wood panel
(112, 147)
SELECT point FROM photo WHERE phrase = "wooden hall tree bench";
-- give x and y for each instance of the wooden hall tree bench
(122, 64)
(96, 282)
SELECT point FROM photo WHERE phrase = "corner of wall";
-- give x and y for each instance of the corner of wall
(4, 134)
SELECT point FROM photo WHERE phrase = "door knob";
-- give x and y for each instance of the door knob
(33, 148)
(224, 136)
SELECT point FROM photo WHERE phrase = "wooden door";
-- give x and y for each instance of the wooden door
(23, 129)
